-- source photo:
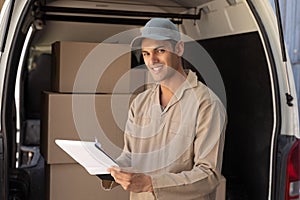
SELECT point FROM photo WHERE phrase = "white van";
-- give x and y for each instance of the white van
(245, 66)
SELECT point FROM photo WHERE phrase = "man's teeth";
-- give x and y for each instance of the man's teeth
(156, 68)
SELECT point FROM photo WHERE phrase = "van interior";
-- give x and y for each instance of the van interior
(228, 32)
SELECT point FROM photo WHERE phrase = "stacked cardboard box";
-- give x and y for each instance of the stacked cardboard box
(92, 89)
(82, 117)
(94, 68)
(71, 181)
(1, 4)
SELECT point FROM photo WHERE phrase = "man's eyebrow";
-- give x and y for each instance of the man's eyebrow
(158, 47)
(155, 48)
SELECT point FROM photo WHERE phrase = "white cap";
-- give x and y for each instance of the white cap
(157, 29)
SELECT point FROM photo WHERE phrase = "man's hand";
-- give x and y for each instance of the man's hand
(133, 182)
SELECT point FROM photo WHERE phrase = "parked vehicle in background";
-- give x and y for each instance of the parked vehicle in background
(243, 41)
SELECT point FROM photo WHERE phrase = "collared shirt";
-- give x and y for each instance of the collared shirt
(180, 146)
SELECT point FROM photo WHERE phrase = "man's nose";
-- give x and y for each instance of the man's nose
(153, 58)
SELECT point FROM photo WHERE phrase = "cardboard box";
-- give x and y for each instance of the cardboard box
(71, 181)
(83, 117)
(93, 68)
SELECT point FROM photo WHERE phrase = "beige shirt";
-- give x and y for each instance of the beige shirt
(181, 146)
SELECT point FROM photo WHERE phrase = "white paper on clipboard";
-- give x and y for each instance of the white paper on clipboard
(87, 154)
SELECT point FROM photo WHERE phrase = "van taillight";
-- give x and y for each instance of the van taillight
(292, 191)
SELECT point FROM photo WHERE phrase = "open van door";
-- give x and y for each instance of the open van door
(5, 18)
(288, 147)
(261, 154)
(14, 181)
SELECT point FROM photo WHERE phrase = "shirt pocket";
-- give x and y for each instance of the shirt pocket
(145, 127)
(185, 131)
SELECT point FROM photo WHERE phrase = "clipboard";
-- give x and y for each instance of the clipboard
(90, 155)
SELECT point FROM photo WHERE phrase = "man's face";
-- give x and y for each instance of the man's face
(160, 58)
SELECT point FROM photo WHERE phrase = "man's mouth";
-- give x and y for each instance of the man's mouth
(157, 68)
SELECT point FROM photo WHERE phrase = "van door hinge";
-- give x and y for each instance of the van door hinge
(1, 148)
(289, 99)
(38, 16)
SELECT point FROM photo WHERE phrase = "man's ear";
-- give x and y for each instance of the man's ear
(179, 48)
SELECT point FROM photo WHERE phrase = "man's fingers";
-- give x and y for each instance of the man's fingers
(121, 179)
(120, 176)
(135, 182)
(115, 168)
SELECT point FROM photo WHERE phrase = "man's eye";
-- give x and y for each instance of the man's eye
(161, 51)
(145, 54)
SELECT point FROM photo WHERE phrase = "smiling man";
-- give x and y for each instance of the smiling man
(174, 135)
